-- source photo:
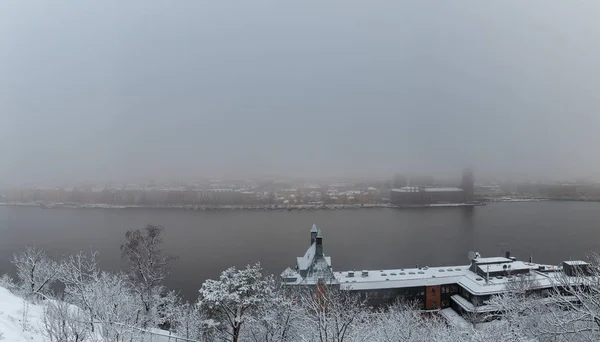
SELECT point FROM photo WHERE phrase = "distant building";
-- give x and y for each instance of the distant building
(412, 194)
(414, 180)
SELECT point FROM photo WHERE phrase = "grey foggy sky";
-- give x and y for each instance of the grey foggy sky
(180, 89)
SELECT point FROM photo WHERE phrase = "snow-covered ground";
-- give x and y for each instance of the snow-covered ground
(22, 321)
(19, 320)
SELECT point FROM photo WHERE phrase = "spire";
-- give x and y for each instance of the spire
(313, 234)
(314, 228)
(319, 234)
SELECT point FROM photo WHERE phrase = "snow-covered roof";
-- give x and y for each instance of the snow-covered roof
(469, 307)
(407, 189)
(491, 260)
(443, 189)
(477, 285)
(508, 267)
(289, 274)
(454, 319)
(461, 275)
(575, 263)
(305, 261)
(399, 278)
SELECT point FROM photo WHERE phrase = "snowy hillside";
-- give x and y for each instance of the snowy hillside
(19, 320)
(14, 310)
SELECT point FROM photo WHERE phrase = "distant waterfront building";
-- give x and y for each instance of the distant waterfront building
(414, 195)
(401, 180)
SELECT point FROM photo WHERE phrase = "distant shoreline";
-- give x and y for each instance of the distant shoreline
(294, 207)
(202, 207)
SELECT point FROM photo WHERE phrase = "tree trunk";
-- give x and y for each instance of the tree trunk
(236, 333)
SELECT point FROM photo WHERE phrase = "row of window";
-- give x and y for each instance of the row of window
(449, 289)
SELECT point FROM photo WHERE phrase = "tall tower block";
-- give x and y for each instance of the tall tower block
(468, 185)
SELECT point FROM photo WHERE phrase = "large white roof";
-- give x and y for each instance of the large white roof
(400, 278)
(432, 276)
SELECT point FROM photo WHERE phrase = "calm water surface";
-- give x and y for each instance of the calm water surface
(208, 242)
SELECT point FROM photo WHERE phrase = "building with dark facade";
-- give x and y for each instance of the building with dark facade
(420, 195)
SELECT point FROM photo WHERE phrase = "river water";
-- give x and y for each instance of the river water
(206, 243)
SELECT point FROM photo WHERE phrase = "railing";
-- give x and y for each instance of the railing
(152, 336)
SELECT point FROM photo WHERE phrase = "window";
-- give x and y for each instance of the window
(465, 294)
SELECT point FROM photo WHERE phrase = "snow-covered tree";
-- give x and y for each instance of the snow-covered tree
(168, 306)
(189, 322)
(36, 272)
(398, 322)
(79, 273)
(148, 267)
(573, 307)
(109, 305)
(236, 297)
(332, 315)
(279, 318)
(7, 282)
(63, 322)
(116, 308)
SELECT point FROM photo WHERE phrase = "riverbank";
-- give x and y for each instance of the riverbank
(202, 207)
(288, 207)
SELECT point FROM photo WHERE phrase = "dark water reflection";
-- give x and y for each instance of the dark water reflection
(208, 242)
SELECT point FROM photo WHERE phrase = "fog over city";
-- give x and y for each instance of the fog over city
(181, 89)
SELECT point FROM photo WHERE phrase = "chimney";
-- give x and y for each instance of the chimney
(319, 242)
(313, 234)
